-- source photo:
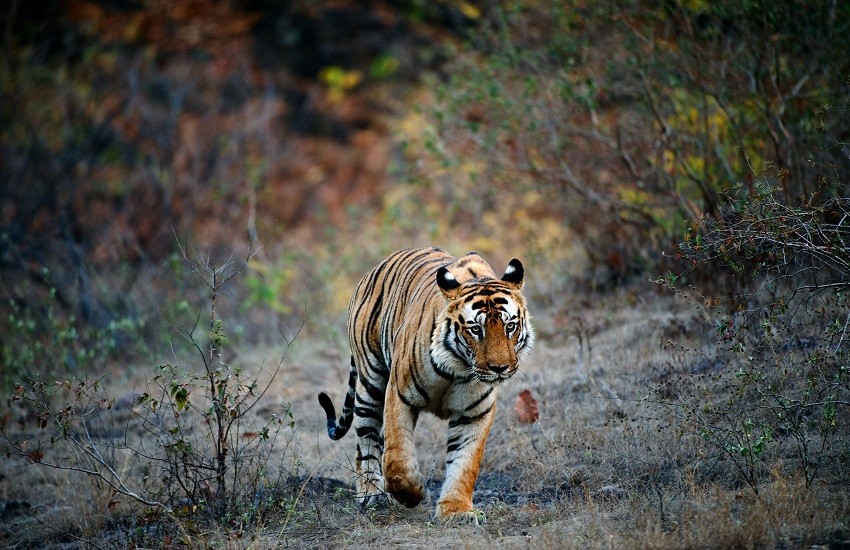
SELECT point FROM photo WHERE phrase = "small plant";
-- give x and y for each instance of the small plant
(190, 447)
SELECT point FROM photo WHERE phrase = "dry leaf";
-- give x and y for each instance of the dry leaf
(526, 408)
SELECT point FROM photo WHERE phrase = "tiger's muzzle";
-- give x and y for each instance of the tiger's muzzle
(495, 374)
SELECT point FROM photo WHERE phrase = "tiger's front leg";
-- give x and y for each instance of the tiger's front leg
(402, 478)
(466, 438)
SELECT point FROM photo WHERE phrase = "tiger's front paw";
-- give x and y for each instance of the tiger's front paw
(453, 513)
(407, 489)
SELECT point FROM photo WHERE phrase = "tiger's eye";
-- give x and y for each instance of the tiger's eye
(510, 326)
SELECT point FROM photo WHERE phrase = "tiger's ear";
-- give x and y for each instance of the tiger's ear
(514, 274)
(447, 282)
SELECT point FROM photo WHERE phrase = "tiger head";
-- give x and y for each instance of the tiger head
(485, 330)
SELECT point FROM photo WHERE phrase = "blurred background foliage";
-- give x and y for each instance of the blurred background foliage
(586, 137)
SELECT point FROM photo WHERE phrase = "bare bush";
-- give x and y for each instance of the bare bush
(638, 119)
(780, 400)
(189, 447)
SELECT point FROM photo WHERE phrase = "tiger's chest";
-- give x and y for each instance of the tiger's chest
(461, 398)
(448, 391)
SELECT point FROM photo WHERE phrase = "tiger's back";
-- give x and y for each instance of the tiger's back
(428, 332)
(382, 311)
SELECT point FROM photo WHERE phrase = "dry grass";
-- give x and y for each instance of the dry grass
(605, 467)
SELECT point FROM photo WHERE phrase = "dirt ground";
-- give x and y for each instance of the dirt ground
(604, 467)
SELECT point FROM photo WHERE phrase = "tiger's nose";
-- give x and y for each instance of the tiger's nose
(499, 369)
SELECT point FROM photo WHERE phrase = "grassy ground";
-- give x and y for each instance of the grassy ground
(606, 466)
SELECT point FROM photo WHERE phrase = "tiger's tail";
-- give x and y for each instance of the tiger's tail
(338, 428)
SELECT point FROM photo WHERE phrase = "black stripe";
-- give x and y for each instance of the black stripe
(426, 301)
(390, 265)
(370, 288)
(366, 428)
(457, 443)
(369, 457)
(442, 373)
(403, 399)
(460, 342)
(373, 391)
(374, 314)
(352, 374)
(416, 269)
(419, 264)
(349, 397)
(368, 432)
(480, 292)
(413, 260)
(456, 446)
(464, 420)
(418, 385)
(366, 412)
(336, 430)
(454, 439)
(364, 400)
(380, 369)
(448, 346)
(481, 399)
(488, 289)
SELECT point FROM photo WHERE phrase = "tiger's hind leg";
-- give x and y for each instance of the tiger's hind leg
(369, 428)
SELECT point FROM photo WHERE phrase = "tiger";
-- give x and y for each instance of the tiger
(428, 332)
